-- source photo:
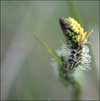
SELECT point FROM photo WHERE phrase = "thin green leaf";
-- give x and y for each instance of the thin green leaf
(50, 50)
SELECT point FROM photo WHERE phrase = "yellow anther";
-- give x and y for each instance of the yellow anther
(82, 36)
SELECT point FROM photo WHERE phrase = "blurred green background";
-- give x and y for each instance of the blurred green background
(26, 70)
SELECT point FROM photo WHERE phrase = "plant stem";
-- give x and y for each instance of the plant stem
(73, 11)
(76, 87)
(76, 90)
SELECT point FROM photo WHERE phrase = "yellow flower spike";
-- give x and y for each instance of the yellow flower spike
(76, 27)
(78, 36)
(76, 39)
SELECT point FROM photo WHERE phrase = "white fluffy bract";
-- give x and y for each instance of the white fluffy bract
(65, 52)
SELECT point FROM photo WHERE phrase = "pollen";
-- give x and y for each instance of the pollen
(75, 25)
(72, 29)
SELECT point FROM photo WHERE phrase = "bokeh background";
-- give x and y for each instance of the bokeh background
(26, 70)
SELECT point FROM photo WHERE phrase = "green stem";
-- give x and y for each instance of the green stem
(76, 90)
(73, 11)
(76, 87)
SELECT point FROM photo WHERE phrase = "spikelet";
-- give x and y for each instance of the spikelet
(77, 37)
(79, 33)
